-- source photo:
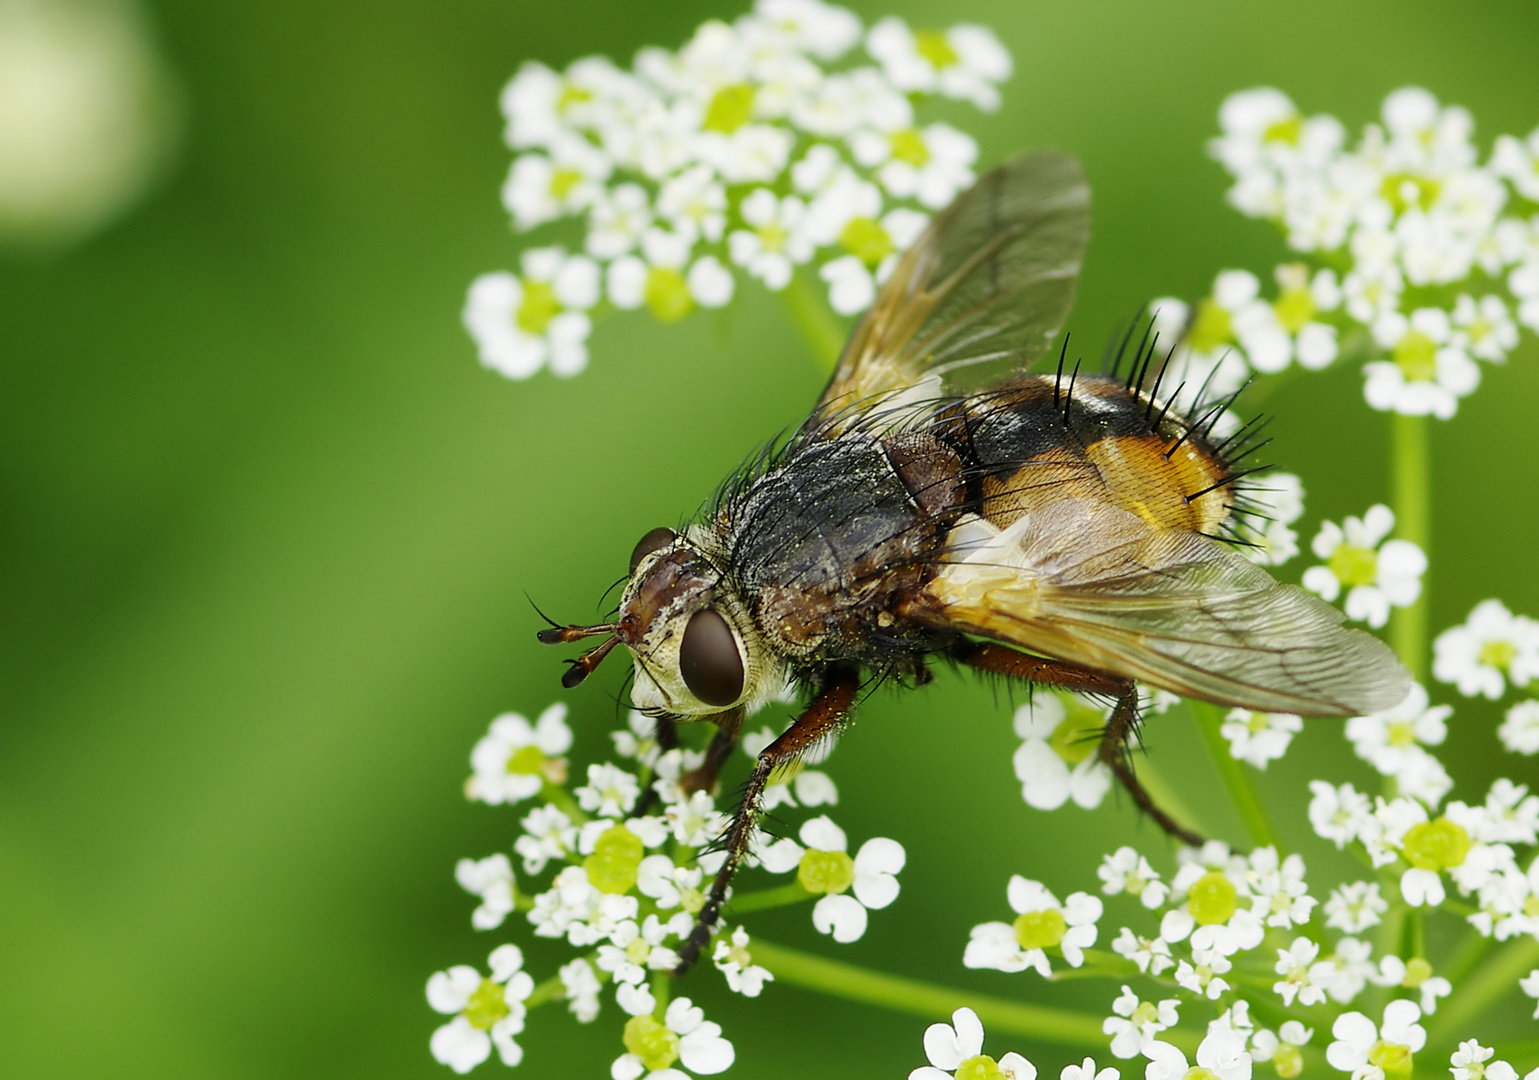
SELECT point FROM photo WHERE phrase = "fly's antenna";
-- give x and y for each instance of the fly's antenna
(583, 666)
(556, 634)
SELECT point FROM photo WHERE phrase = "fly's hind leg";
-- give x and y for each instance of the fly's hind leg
(1120, 729)
(821, 718)
(1114, 753)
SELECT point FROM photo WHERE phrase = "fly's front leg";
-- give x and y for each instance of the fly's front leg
(821, 718)
(1119, 731)
(729, 729)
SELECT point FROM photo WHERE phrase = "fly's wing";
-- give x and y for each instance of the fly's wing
(981, 294)
(1093, 584)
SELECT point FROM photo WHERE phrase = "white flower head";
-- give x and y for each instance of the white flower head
(1041, 923)
(1126, 871)
(1259, 737)
(964, 62)
(1057, 761)
(1221, 1052)
(1519, 731)
(515, 758)
(1152, 955)
(1392, 740)
(491, 879)
(1376, 577)
(1355, 907)
(826, 868)
(930, 165)
(1368, 1051)
(683, 1036)
(951, 1047)
(1426, 373)
(581, 986)
(1529, 984)
(610, 791)
(488, 1011)
(1493, 646)
(1135, 1023)
(734, 961)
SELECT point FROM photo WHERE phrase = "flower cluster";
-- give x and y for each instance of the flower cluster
(1377, 574)
(1491, 649)
(626, 857)
(1427, 259)
(787, 139)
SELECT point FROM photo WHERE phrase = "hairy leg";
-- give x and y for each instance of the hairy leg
(1120, 729)
(820, 719)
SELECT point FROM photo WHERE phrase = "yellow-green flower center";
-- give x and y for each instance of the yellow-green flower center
(539, 307)
(1211, 328)
(1288, 1061)
(1403, 191)
(1040, 929)
(1531, 907)
(866, 239)
(691, 900)
(1498, 654)
(826, 871)
(730, 108)
(1146, 1013)
(1286, 130)
(638, 951)
(616, 856)
(651, 1041)
(1078, 734)
(1416, 355)
(1354, 565)
(1211, 899)
(933, 46)
(908, 145)
(1294, 308)
(572, 95)
(1400, 733)
(1438, 844)
(1257, 723)
(981, 1067)
(526, 761)
(562, 181)
(1197, 1072)
(667, 294)
(1393, 1058)
(487, 1005)
(1417, 971)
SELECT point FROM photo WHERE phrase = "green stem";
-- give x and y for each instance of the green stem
(811, 316)
(1495, 977)
(769, 898)
(1411, 485)
(562, 799)
(552, 989)
(1467, 956)
(1061, 1027)
(1210, 721)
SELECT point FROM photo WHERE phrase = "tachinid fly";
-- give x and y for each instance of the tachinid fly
(943, 501)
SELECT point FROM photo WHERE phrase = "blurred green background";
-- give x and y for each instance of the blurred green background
(268, 528)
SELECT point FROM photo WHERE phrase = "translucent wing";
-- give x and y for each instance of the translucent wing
(983, 292)
(1091, 583)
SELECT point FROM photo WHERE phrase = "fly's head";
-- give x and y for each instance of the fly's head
(696, 647)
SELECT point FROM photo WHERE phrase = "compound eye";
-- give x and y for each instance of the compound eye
(708, 659)
(655, 540)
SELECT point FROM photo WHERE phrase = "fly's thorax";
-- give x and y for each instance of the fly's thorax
(697, 650)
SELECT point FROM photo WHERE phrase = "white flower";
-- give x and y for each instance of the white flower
(1086, 1070)
(1519, 731)
(1368, 1051)
(1205, 367)
(1259, 737)
(548, 834)
(1058, 761)
(683, 1035)
(1202, 978)
(1518, 163)
(733, 960)
(1041, 923)
(1492, 646)
(775, 241)
(826, 868)
(1295, 964)
(1340, 815)
(824, 30)
(573, 908)
(950, 1046)
(1274, 334)
(1151, 955)
(487, 1011)
(1377, 578)
(1427, 373)
(542, 187)
(1355, 907)
(1279, 895)
(1215, 909)
(1415, 975)
(1221, 1052)
(1529, 984)
(1469, 1063)
(694, 203)
(964, 62)
(930, 164)
(610, 791)
(1136, 1023)
(1484, 328)
(634, 950)
(1387, 739)
(515, 758)
(1346, 972)
(581, 986)
(1126, 871)
(491, 879)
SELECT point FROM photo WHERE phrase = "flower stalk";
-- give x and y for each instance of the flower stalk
(1411, 486)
